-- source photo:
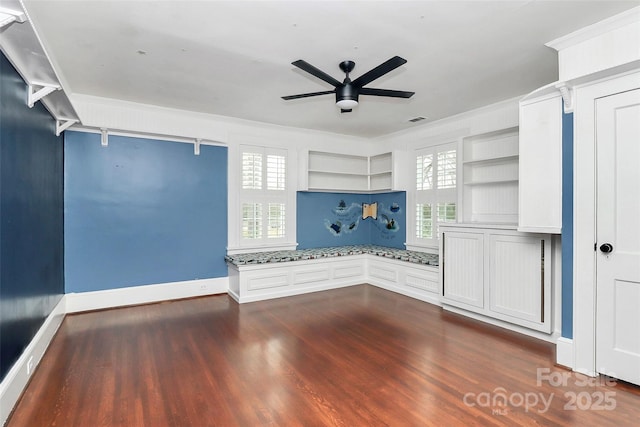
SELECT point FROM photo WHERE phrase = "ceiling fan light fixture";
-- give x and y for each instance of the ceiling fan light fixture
(346, 104)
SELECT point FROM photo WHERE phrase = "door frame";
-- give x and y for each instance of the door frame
(584, 215)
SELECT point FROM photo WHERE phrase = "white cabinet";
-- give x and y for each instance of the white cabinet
(345, 172)
(499, 273)
(490, 177)
(518, 280)
(464, 279)
(540, 200)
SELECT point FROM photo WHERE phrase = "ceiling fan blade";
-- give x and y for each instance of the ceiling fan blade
(379, 71)
(307, 95)
(346, 111)
(305, 66)
(386, 92)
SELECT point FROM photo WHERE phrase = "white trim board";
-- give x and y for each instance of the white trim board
(135, 295)
(18, 377)
(564, 352)
(584, 218)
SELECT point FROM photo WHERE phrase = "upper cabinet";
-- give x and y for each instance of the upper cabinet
(540, 177)
(490, 177)
(349, 173)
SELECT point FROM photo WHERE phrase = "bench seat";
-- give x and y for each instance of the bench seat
(264, 275)
(335, 251)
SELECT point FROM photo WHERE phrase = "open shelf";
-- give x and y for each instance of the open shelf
(493, 160)
(349, 173)
(492, 181)
(490, 169)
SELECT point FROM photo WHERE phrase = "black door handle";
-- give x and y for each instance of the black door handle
(606, 248)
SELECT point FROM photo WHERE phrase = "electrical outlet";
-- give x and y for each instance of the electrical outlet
(203, 287)
(30, 366)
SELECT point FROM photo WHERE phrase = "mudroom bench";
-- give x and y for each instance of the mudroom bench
(265, 275)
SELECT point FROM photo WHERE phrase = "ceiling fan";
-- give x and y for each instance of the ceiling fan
(348, 91)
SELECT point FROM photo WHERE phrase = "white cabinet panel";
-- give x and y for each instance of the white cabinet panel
(381, 272)
(463, 268)
(425, 282)
(499, 273)
(346, 270)
(540, 199)
(518, 281)
(310, 275)
(262, 281)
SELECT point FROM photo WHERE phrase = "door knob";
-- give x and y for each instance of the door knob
(606, 248)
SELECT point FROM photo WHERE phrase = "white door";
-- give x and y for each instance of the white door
(618, 236)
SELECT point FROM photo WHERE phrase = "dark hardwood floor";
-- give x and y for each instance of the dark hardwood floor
(358, 356)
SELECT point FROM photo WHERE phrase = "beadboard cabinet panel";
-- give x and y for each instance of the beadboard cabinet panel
(540, 176)
(463, 268)
(499, 273)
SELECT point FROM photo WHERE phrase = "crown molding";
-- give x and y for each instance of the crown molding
(620, 20)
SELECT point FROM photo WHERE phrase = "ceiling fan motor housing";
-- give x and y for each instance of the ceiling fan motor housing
(347, 91)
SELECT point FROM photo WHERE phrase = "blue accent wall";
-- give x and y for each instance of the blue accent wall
(142, 211)
(567, 225)
(31, 217)
(335, 219)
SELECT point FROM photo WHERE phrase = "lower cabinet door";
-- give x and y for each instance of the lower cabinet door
(519, 279)
(463, 269)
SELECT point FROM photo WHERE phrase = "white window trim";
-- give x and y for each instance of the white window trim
(442, 195)
(234, 208)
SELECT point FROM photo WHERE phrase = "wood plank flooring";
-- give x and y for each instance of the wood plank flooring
(357, 356)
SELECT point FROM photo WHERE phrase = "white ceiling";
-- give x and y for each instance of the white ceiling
(233, 58)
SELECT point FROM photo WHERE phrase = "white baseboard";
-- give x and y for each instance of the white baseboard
(502, 324)
(564, 352)
(97, 300)
(425, 296)
(18, 376)
(293, 291)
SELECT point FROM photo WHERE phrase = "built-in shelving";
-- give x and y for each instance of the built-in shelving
(490, 169)
(493, 160)
(492, 182)
(344, 172)
(381, 172)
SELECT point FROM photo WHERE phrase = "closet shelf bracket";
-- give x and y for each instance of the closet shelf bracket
(36, 95)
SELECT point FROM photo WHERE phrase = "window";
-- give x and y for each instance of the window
(424, 172)
(424, 221)
(447, 169)
(251, 171)
(276, 220)
(263, 195)
(435, 196)
(251, 220)
(276, 172)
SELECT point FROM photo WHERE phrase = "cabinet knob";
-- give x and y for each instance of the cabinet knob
(606, 248)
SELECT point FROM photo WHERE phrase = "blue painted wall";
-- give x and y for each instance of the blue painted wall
(335, 219)
(567, 225)
(31, 217)
(390, 229)
(141, 211)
